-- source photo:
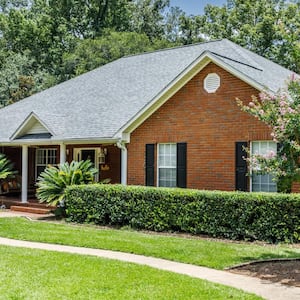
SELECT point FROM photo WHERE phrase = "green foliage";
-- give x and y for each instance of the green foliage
(6, 168)
(55, 40)
(19, 78)
(92, 53)
(270, 28)
(54, 180)
(234, 215)
(281, 112)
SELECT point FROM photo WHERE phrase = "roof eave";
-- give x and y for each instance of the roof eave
(69, 141)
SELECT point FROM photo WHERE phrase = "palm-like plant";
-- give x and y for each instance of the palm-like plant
(53, 180)
(6, 168)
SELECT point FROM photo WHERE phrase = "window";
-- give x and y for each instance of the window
(263, 183)
(171, 166)
(167, 162)
(44, 157)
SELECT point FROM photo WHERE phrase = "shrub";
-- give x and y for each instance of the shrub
(53, 180)
(234, 215)
(6, 168)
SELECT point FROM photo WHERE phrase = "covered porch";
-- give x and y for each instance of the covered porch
(30, 159)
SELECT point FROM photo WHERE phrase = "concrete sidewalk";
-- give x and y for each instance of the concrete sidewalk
(253, 285)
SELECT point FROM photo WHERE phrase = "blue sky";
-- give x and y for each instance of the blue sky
(195, 7)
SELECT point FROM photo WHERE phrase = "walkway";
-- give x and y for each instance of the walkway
(253, 285)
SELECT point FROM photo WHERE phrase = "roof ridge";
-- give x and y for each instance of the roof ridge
(242, 51)
(239, 62)
(173, 48)
(259, 56)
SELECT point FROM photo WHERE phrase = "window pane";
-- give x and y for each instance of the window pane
(263, 183)
(167, 177)
(255, 187)
(39, 156)
(167, 158)
(44, 157)
(167, 155)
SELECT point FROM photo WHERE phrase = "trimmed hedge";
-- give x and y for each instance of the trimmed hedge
(235, 215)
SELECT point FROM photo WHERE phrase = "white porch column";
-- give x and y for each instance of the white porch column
(123, 148)
(24, 173)
(62, 148)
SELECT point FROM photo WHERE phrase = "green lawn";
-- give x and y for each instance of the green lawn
(203, 252)
(35, 274)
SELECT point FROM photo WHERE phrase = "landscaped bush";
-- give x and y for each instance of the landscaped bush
(53, 181)
(234, 215)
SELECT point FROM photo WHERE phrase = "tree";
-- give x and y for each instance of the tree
(148, 17)
(173, 20)
(6, 5)
(20, 78)
(281, 112)
(270, 28)
(93, 53)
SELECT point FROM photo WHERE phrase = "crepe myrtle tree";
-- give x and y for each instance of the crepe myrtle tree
(281, 112)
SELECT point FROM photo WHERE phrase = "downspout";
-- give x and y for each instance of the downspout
(121, 145)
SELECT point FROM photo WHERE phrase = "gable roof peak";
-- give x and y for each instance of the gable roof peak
(31, 126)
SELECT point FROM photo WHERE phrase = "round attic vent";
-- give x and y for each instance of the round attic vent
(212, 82)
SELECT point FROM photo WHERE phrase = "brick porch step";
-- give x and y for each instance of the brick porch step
(33, 210)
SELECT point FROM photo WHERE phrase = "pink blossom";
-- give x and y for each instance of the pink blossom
(251, 104)
(282, 103)
(270, 154)
(263, 96)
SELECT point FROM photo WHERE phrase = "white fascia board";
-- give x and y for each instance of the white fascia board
(26, 121)
(35, 142)
(199, 64)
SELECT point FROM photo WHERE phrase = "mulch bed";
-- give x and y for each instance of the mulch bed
(284, 271)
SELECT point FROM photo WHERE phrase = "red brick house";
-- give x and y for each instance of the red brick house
(165, 118)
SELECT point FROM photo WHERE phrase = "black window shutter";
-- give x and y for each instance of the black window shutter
(181, 165)
(150, 164)
(241, 179)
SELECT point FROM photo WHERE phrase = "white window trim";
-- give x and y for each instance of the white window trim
(157, 161)
(251, 173)
(41, 165)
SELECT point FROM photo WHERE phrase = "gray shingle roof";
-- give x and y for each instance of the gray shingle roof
(97, 104)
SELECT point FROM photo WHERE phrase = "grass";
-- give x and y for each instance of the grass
(203, 252)
(36, 274)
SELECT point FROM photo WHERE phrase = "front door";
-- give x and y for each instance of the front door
(87, 154)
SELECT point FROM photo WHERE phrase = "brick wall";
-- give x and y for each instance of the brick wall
(210, 124)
